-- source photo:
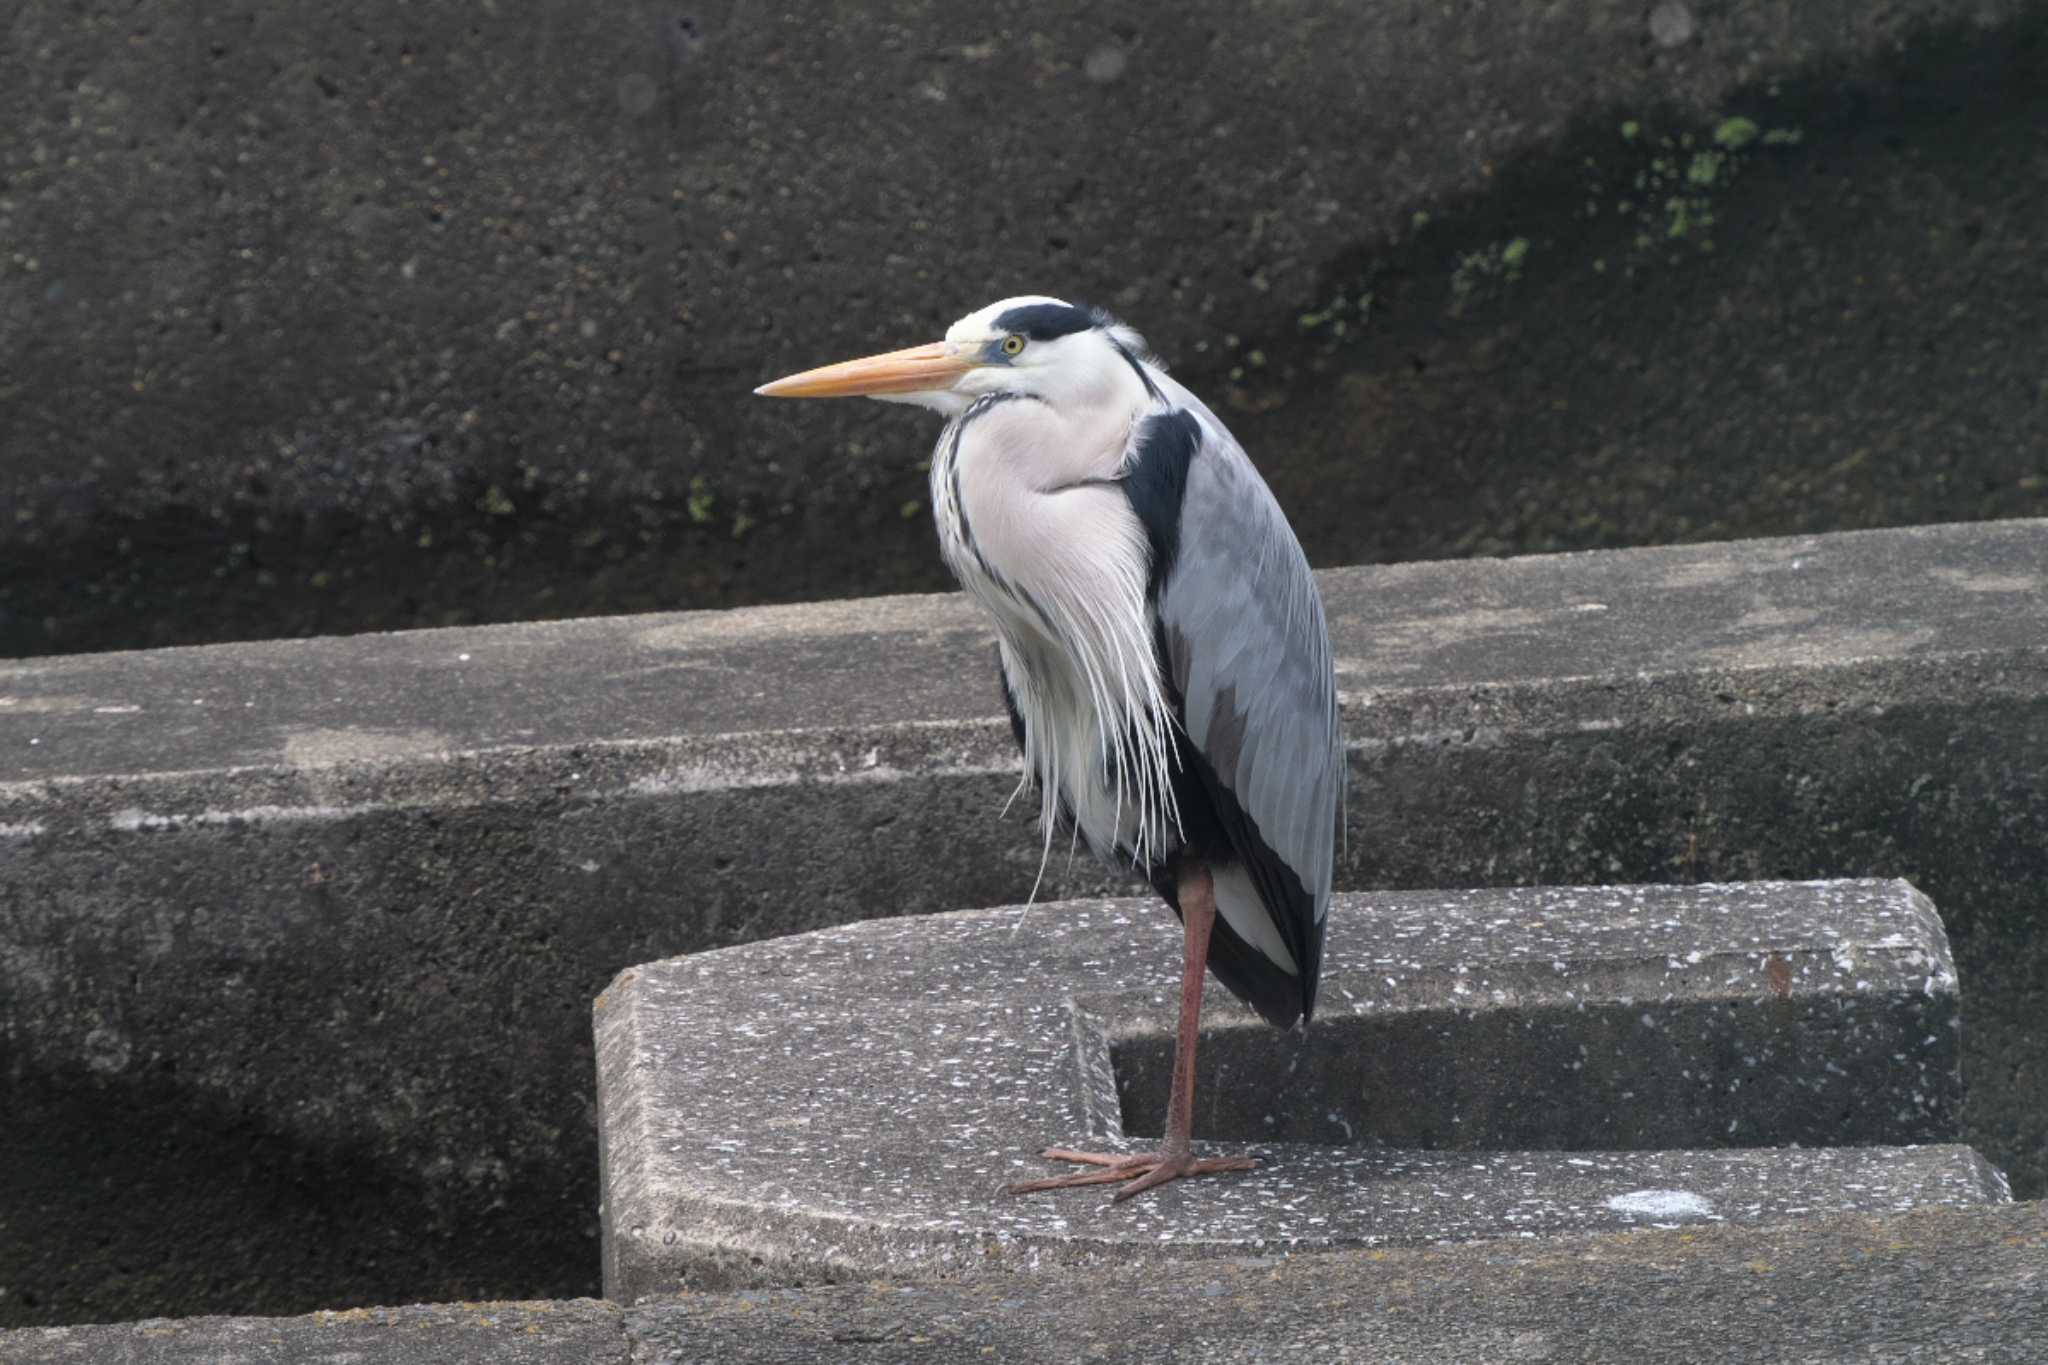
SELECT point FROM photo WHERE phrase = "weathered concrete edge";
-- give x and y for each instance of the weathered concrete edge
(739, 1246)
(1959, 1273)
(1478, 1301)
(1962, 634)
(620, 1110)
(528, 1332)
(1375, 722)
(1922, 962)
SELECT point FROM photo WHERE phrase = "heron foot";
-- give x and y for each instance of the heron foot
(1145, 1171)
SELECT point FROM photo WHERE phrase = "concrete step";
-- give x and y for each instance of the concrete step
(847, 1103)
(297, 938)
(1932, 1284)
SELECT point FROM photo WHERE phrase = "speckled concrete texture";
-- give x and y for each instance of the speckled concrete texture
(1931, 1285)
(567, 1332)
(298, 940)
(848, 1104)
(1939, 1285)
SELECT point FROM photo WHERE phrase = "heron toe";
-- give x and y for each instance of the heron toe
(1144, 1171)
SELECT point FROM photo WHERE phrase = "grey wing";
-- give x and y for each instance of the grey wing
(1249, 651)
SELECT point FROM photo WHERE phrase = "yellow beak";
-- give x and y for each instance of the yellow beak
(914, 370)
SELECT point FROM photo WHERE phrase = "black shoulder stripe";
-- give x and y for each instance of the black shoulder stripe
(1157, 482)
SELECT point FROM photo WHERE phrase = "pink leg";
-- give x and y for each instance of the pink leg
(1175, 1157)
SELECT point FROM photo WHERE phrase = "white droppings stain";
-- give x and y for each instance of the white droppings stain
(1702, 572)
(786, 759)
(1989, 582)
(1818, 644)
(928, 617)
(48, 704)
(1776, 618)
(322, 748)
(1661, 1204)
(132, 820)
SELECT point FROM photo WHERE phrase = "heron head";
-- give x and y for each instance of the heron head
(1045, 347)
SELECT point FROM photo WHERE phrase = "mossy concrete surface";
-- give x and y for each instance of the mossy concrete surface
(298, 939)
(1946, 1284)
(404, 314)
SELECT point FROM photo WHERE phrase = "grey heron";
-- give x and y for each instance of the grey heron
(1162, 648)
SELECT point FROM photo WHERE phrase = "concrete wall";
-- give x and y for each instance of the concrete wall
(390, 314)
(297, 939)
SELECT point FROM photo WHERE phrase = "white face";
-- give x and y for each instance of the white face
(1076, 361)
(1007, 361)
(1080, 368)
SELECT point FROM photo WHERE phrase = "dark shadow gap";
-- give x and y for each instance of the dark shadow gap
(1613, 1076)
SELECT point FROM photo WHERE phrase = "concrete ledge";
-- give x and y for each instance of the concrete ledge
(568, 1332)
(1955, 1284)
(299, 938)
(1928, 1285)
(847, 1104)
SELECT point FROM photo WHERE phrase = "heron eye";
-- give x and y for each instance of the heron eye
(1012, 344)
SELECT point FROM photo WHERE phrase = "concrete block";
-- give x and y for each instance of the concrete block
(847, 1104)
(298, 939)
